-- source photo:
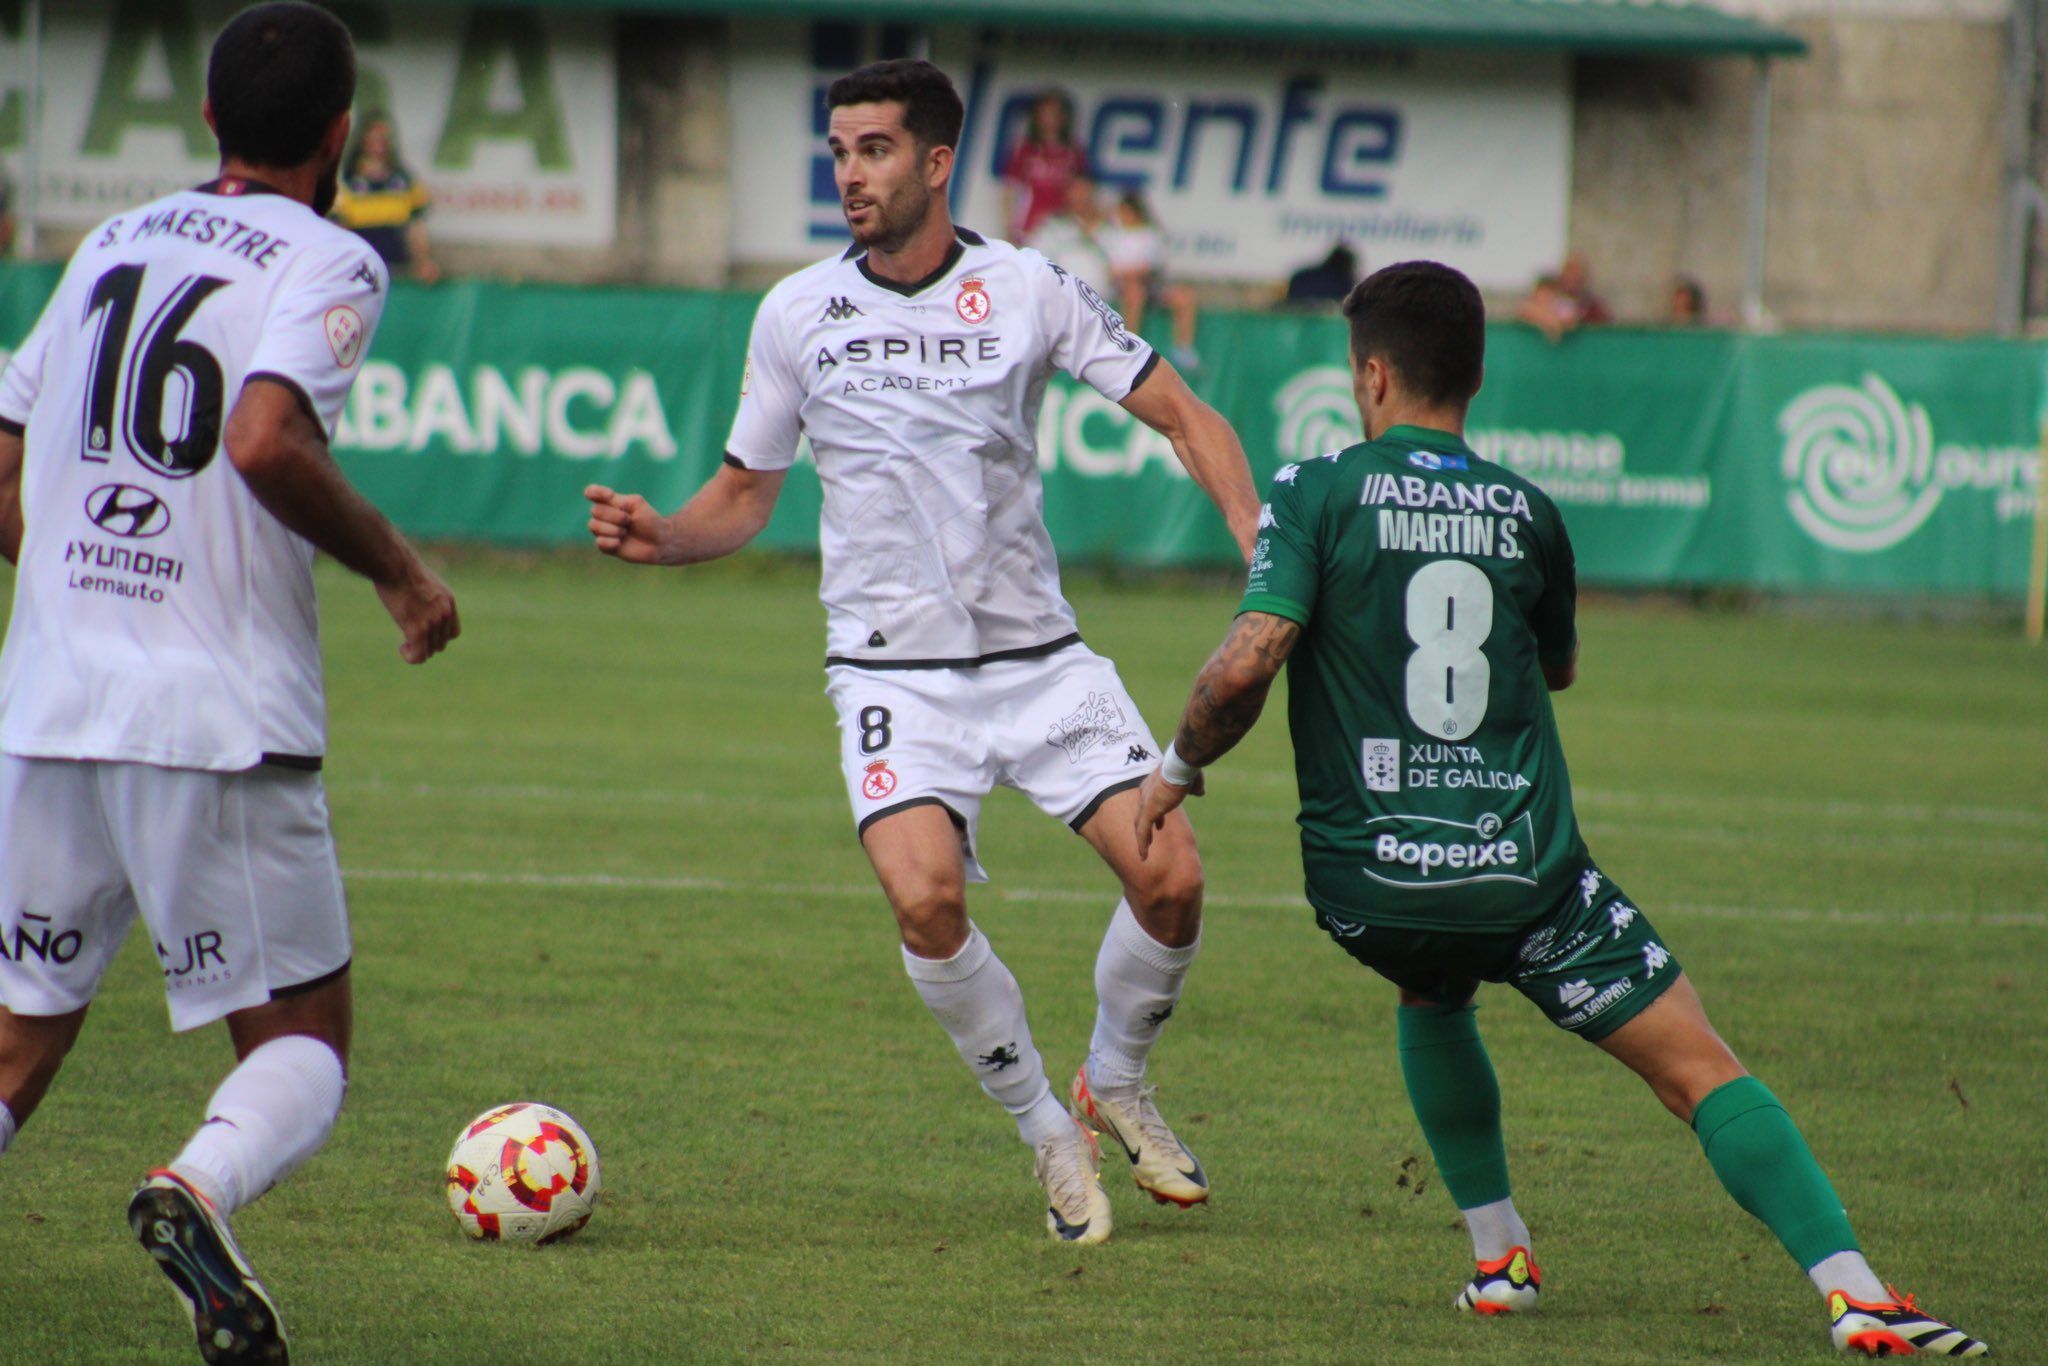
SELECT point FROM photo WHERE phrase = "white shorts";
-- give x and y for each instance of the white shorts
(1059, 728)
(234, 875)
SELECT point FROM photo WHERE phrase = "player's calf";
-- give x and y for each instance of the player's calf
(32, 1049)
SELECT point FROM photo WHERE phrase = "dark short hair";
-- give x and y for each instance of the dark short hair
(1426, 322)
(278, 76)
(931, 106)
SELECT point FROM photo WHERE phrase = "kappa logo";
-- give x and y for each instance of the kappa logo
(365, 274)
(127, 511)
(1623, 915)
(973, 304)
(1000, 1057)
(839, 309)
(1137, 754)
(344, 334)
(1654, 956)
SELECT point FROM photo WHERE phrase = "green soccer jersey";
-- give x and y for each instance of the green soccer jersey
(1431, 587)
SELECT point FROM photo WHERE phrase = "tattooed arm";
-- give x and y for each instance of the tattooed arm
(1228, 696)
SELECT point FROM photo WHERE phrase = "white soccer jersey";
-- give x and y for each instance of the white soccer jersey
(161, 615)
(921, 405)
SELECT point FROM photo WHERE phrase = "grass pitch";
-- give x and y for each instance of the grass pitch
(599, 856)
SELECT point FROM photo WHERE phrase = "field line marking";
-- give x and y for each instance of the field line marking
(1839, 808)
(1226, 900)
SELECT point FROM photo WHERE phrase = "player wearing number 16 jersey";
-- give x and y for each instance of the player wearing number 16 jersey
(1425, 600)
(915, 363)
(164, 480)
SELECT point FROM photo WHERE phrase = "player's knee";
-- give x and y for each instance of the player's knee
(931, 913)
(1167, 897)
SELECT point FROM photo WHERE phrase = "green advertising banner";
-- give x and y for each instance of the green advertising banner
(1702, 458)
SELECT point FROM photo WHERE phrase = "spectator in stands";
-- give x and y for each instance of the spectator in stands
(1044, 164)
(1137, 263)
(382, 203)
(1326, 284)
(1565, 302)
(1072, 238)
(1688, 303)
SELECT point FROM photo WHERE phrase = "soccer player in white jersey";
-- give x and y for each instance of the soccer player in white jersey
(915, 363)
(164, 480)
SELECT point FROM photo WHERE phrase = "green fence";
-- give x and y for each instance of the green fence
(1790, 462)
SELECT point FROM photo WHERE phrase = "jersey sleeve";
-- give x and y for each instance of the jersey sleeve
(1084, 335)
(1554, 619)
(1284, 572)
(22, 382)
(321, 321)
(769, 422)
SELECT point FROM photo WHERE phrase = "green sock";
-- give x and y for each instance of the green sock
(1452, 1087)
(1756, 1150)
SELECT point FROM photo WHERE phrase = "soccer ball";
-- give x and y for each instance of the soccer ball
(522, 1173)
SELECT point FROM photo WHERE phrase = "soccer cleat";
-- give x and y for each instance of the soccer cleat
(1070, 1169)
(1506, 1286)
(1160, 1163)
(233, 1316)
(1896, 1328)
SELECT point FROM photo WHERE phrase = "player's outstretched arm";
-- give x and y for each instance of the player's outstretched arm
(1228, 696)
(10, 496)
(724, 515)
(281, 453)
(1206, 444)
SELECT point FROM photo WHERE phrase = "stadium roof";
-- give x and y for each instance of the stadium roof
(1661, 27)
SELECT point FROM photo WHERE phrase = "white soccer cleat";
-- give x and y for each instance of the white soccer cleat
(1160, 1163)
(1070, 1169)
(1506, 1286)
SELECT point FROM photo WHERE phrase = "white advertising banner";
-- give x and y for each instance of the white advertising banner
(1255, 159)
(508, 116)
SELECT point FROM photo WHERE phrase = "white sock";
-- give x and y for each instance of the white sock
(1496, 1230)
(270, 1115)
(1137, 982)
(980, 1006)
(6, 1126)
(1850, 1274)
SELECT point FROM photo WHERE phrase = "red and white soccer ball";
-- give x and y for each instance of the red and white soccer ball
(522, 1173)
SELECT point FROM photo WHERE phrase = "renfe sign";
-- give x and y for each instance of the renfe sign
(509, 116)
(1255, 159)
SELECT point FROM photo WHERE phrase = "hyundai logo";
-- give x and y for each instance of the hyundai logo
(124, 510)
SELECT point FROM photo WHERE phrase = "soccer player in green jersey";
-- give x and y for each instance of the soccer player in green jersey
(1426, 597)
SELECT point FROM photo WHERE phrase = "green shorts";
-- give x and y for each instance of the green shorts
(1591, 965)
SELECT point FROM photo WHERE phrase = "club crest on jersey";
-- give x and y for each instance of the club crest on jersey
(344, 334)
(973, 302)
(878, 782)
